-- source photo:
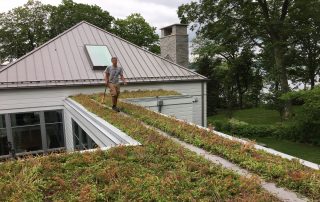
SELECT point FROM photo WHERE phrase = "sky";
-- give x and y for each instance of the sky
(158, 13)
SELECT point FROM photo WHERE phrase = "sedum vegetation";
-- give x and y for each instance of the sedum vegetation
(160, 170)
(285, 173)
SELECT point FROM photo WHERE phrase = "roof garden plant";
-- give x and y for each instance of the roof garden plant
(286, 173)
(159, 170)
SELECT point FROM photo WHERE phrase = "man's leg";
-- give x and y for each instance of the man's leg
(113, 93)
(114, 101)
(117, 88)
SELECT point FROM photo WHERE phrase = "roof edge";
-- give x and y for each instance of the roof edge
(102, 83)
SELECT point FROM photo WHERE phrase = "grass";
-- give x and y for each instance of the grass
(265, 117)
(300, 150)
(289, 174)
(160, 170)
(254, 116)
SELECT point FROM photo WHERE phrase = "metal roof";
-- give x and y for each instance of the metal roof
(62, 61)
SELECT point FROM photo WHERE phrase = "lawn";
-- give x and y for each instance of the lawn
(300, 150)
(266, 117)
(254, 116)
(159, 170)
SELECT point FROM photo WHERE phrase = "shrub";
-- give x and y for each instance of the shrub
(308, 122)
(244, 129)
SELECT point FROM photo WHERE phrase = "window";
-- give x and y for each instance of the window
(3, 137)
(26, 131)
(99, 56)
(34, 132)
(54, 129)
(82, 141)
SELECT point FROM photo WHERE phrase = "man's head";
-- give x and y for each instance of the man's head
(114, 61)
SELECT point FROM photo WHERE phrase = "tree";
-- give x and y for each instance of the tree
(135, 29)
(306, 41)
(22, 29)
(224, 40)
(267, 23)
(70, 13)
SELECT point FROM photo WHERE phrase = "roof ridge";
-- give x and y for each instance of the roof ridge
(41, 46)
(180, 66)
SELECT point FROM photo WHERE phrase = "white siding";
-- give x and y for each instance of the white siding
(21, 100)
(187, 88)
(180, 107)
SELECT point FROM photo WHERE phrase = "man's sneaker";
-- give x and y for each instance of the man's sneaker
(114, 108)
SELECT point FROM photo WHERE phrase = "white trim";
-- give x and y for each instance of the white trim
(31, 109)
(110, 131)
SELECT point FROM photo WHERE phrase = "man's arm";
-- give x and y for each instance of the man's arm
(122, 77)
(106, 77)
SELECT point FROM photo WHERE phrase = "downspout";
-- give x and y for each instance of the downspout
(159, 104)
(202, 103)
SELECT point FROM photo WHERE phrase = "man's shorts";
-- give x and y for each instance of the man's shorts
(114, 89)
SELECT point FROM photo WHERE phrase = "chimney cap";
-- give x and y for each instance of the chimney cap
(177, 24)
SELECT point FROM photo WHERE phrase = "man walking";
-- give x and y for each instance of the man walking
(111, 76)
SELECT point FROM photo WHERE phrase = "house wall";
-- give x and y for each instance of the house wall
(23, 100)
(180, 107)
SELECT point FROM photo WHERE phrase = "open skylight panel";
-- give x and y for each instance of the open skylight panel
(99, 56)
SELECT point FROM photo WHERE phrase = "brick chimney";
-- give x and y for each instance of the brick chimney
(174, 44)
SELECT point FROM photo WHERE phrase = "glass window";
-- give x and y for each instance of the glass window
(23, 119)
(2, 121)
(26, 131)
(99, 56)
(27, 138)
(54, 129)
(82, 140)
(53, 116)
(4, 150)
(54, 135)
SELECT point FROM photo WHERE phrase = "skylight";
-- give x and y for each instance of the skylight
(99, 56)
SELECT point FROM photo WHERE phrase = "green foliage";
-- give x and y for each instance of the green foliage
(304, 151)
(22, 29)
(70, 13)
(135, 29)
(289, 174)
(160, 170)
(147, 93)
(243, 129)
(308, 122)
(305, 43)
(282, 36)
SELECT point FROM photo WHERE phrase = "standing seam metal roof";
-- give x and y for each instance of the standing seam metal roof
(62, 61)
